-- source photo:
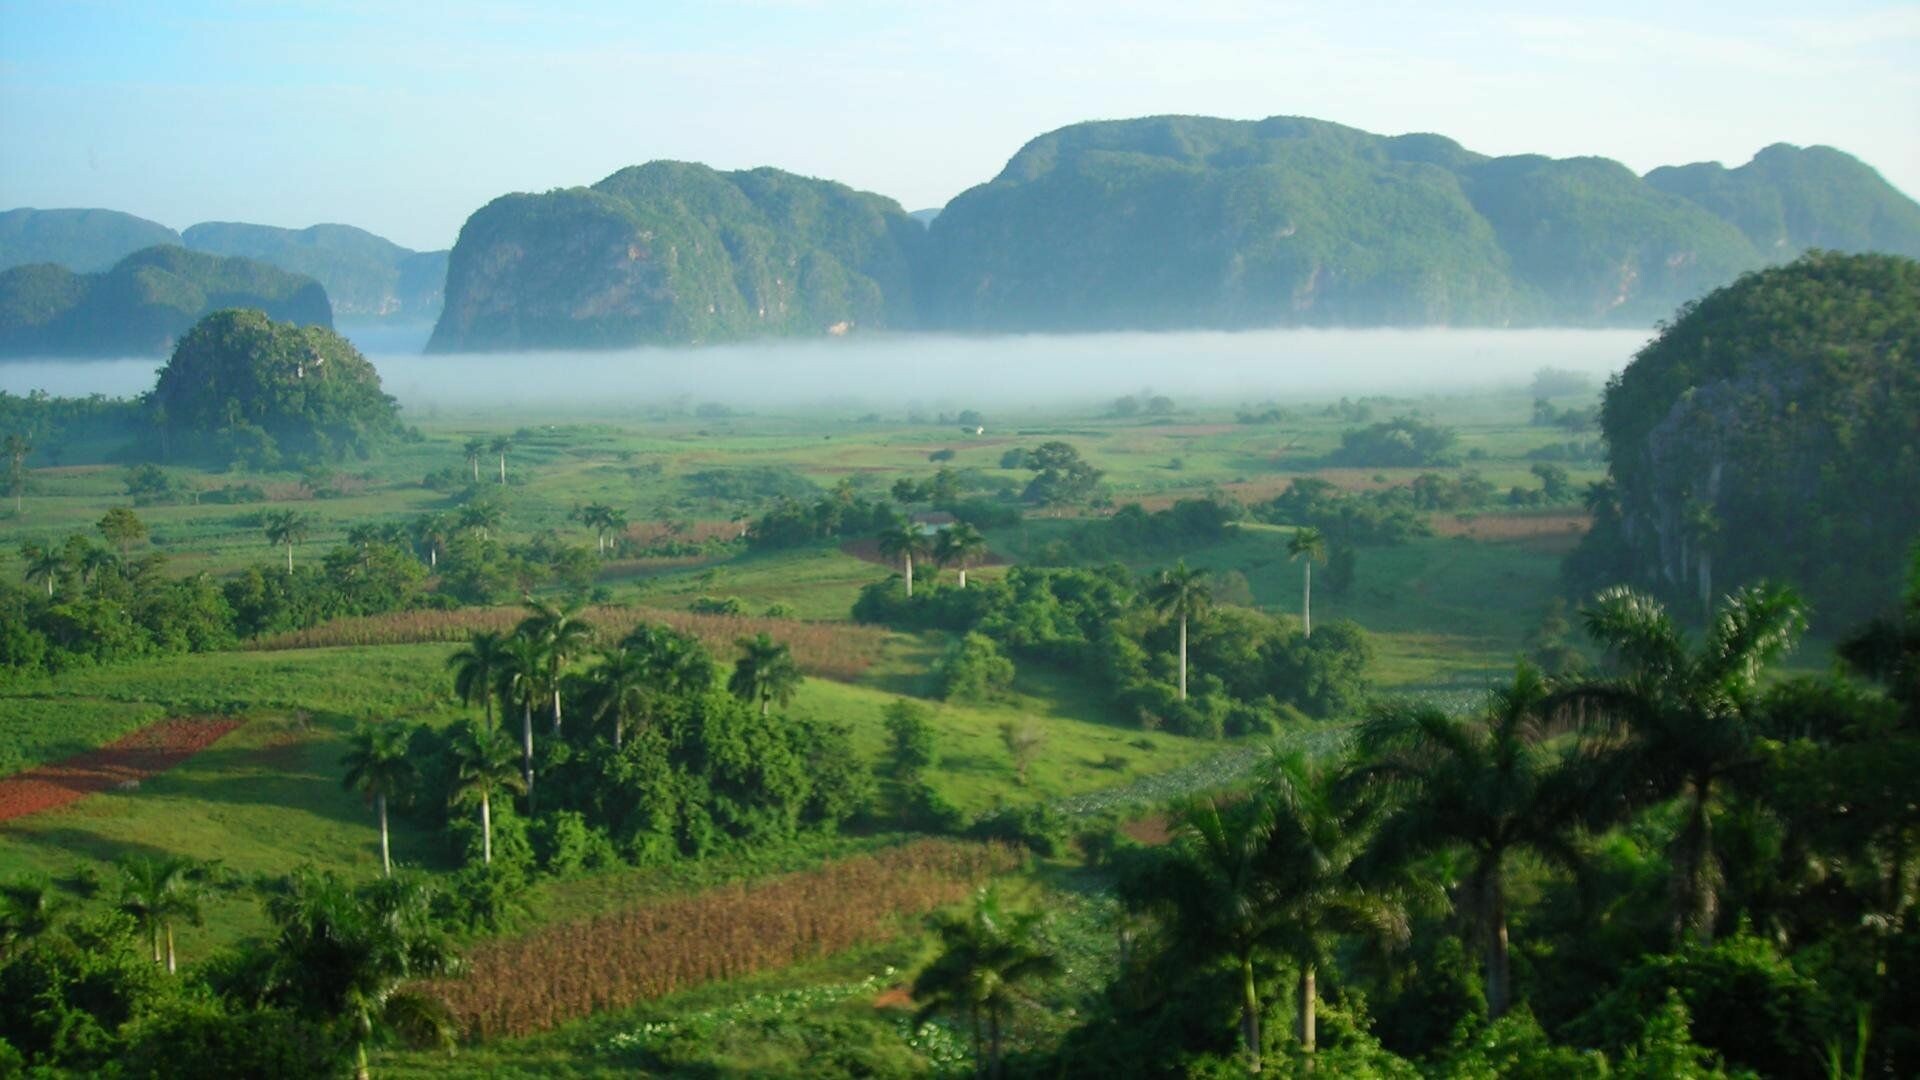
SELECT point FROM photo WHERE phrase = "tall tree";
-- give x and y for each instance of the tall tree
(122, 528)
(1181, 593)
(430, 533)
(474, 448)
(650, 664)
(288, 527)
(484, 768)
(1674, 721)
(523, 683)
(563, 636)
(158, 893)
(29, 907)
(500, 445)
(1489, 784)
(17, 448)
(764, 673)
(1307, 547)
(478, 667)
(988, 956)
(481, 516)
(43, 564)
(903, 540)
(377, 767)
(959, 545)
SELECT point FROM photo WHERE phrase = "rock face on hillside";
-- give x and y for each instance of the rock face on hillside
(366, 276)
(1194, 222)
(146, 301)
(672, 253)
(83, 241)
(1771, 431)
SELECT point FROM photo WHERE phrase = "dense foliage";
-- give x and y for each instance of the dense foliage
(1784, 406)
(143, 303)
(670, 252)
(242, 388)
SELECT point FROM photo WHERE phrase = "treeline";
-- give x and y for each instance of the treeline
(1250, 672)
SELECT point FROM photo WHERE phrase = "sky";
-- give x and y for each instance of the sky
(404, 118)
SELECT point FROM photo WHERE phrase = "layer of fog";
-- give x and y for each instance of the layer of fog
(1000, 373)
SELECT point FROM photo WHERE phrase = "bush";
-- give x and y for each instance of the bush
(566, 844)
(973, 669)
(718, 605)
(1036, 826)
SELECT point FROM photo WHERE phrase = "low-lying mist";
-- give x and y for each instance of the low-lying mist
(1000, 373)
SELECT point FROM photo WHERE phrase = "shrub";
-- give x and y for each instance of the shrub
(973, 669)
(566, 844)
(1036, 826)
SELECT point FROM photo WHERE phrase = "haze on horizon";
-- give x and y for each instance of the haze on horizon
(404, 119)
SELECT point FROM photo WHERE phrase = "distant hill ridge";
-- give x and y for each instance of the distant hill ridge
(365, 275)
(144, 302)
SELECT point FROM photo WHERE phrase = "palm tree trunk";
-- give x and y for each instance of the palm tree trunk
(909, 562)
(1309, 1000)
(556, 703)
(1499, 973)
(1306, 601)
(170, 965)
(526, 749)
(433, 557)
(963, 575)
(360, 1071)
(156, 943)
(289, 556)
(1249, 1012)
(486, 830)
(386, 859)
(1696, 901)
(50, 583)
(765, 701)
(993, 1047)
(979, 1058)
(503, 466)
(1183, 658)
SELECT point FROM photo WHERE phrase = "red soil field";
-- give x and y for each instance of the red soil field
(151, 750)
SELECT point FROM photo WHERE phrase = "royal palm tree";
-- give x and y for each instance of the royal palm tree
(616, 523)
(477, 669)
(288, 527)
(43, 564)
(484, 767)
(348, 954)
(95, 562)
(903, 540)
(764, 673)
(1489, 784)
(430, 533)
(1307, 547)
(157, 893)
(988, 956)
(481, 516)
(29, 907)
(650, 664)
(523, 683)
(563, 636)
(474, 448)
(16, 447)
(1678, 721)
(959, 545)
(500, 445)
(1181, 593)
(377, 767)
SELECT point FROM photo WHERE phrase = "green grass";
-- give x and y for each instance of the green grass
(34, 731)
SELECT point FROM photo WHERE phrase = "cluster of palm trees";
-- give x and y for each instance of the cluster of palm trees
(959, 545)
(1315, 854)
(1181, 592)
(605, 521)
(498, 445)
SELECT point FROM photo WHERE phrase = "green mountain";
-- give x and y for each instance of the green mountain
(1785, 406)
(143, 303)
(1188, 221)
(82, 240)
(670, 252)
(367, 276)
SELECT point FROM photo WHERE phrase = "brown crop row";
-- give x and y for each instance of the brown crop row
(562, 973)
(127, 760)
(831, 651)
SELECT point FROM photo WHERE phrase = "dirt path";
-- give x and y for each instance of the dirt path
(152, 750)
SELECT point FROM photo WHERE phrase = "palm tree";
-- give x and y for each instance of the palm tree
(346, 954)
(430, 531)
(43, 564)
(523, 682)
(484, 767)
(1214, 896)
(95, 562)
(158, 893)
(1489, 784)
(959, 545)
(903, 540)
(474, 448)
(616, 523)
(764, 673)
(651, 663)
(562, 635)
(1675, 721)
(29, 907)
(500, 445)
(17, 448)
(1182, 594)
(481, 516)
(988, 954)
(287, 527)
(1315, 841)
(477, 668)
(1307, 547)
(377, 767)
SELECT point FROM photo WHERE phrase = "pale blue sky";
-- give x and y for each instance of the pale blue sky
(405, 117)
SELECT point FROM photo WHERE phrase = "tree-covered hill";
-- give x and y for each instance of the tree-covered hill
(80, 240)
(366, 276)
(143, 303)
(1190, 221)
(1772, 430)
(670, 252)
